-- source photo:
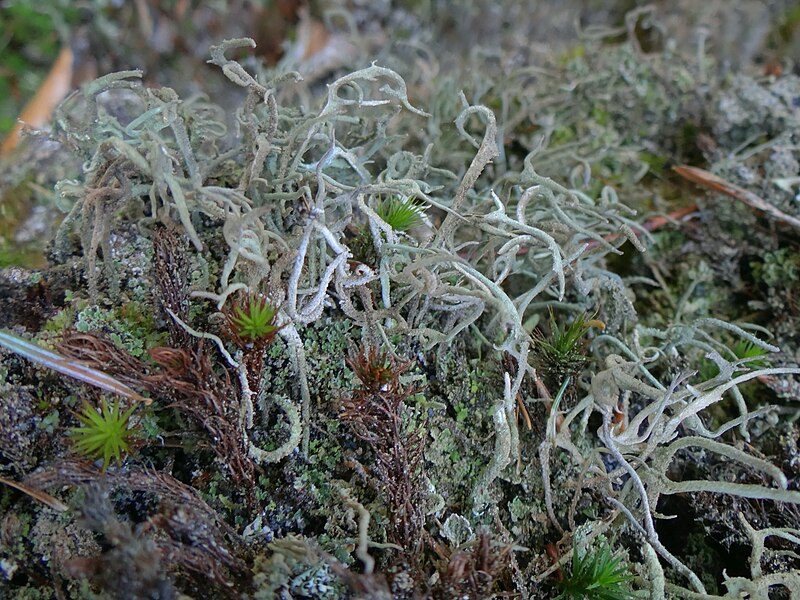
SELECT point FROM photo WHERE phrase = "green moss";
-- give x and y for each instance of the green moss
(16, 205)
(104, 433)
(401, 215)
(596, 574)
(253, 319)
(29, 258)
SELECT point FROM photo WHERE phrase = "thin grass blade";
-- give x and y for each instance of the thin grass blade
(68, 366)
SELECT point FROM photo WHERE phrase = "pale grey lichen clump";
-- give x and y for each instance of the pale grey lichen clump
(283, 204)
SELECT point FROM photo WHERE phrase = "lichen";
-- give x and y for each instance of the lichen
(410, 429)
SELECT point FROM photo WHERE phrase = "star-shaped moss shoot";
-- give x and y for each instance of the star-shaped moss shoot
(105, 433)
(596, 575)
(401, 215)
(252, 321)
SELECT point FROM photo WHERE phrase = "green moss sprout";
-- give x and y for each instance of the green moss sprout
(253, 320)
(563, 344)
(596, 575)
(562, 354)
(105, 433)
(401, 215)
(747, 354)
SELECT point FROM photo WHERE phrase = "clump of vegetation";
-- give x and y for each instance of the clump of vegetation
(596, 574)
(104, 433)
(401, 215)
(253, 321)
(562, 354)
(378, 415)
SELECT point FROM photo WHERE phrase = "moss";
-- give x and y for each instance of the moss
(20, 257)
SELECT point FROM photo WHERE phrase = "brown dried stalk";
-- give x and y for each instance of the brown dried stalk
(42, 497)
(171, 270)
(202, 395)
(375, 414)
(716, 183)
(469, 573)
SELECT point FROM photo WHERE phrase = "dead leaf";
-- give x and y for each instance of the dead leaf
(39, 109)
